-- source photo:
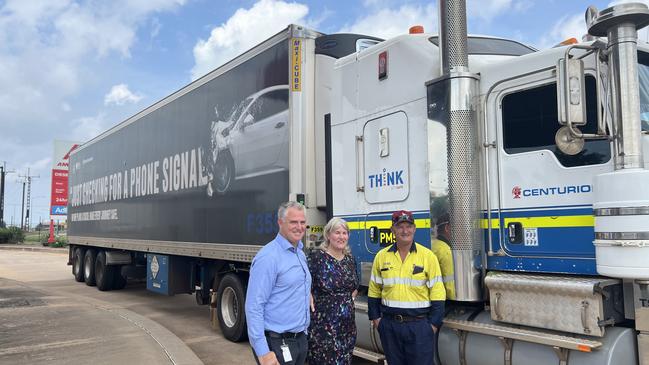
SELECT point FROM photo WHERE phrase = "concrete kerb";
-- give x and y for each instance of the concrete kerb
(177, 351)
(59, 250)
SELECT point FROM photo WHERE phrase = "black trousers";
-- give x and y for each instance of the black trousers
(297, 346)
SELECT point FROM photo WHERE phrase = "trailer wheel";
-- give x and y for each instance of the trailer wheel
(119, 280)
(77, 264)
(231, 308)
(104, 274)
(89, 267)
(223, 172)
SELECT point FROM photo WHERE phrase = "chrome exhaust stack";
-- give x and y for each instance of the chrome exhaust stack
(621, 205)
(620, 25)
(460, 117)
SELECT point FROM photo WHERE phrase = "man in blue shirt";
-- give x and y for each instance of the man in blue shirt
(279, 287)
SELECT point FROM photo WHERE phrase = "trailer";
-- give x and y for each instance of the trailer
(185, 192)
(539, 157)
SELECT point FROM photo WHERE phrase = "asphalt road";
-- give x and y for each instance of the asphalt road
(47, 317)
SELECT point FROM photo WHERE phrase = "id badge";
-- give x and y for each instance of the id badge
(286, 353)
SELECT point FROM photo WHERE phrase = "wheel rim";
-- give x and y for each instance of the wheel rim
(87, 266)
(229, 307)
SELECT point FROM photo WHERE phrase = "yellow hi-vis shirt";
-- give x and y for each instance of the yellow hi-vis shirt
(410, 284)
(445, 258)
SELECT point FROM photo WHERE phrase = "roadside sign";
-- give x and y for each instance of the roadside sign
(60, 164)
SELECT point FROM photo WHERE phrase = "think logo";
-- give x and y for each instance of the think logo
(386, 178)
(516, 191)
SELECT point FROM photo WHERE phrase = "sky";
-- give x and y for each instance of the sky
(71, 69)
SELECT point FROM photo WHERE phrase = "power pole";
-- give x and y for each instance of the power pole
(28, 181)
(3, 172)
(22, 209)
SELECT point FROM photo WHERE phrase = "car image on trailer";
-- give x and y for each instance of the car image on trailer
(252, 141)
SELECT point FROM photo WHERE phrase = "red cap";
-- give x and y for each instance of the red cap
(402, 216)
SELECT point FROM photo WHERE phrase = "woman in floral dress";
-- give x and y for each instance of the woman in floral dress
(332, 333)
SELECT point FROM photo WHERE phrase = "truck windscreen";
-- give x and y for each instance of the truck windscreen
(492, 46)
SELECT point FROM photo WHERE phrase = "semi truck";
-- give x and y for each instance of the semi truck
(539, 159)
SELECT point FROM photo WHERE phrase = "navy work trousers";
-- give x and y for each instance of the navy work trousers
(407, 343)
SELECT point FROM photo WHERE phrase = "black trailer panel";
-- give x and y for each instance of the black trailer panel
(209, 166)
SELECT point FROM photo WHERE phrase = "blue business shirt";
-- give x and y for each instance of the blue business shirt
(278, 292)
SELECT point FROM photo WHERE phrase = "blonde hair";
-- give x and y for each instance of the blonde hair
(332, 225)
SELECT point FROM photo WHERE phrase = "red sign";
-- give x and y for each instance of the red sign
(59, 187)
(60, 165)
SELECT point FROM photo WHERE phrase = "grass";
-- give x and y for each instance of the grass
(40, 238)
(33, 237)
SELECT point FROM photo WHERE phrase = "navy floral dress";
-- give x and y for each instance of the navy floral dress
(332, 333)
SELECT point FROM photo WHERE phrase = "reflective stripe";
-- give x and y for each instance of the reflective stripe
(421, 223)
(554, 222)
(448, 278)
(404, 281)
(399, 304)
(376, 279)
(538, 222)
(435, 280)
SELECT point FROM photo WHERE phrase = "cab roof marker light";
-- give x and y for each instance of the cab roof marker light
(566, 42)
(416, 29)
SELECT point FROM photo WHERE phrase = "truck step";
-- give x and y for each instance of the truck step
(369, 355)
(528, 335)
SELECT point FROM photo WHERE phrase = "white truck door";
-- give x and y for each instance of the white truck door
(386, 173)
(545, 196)
(385, 157)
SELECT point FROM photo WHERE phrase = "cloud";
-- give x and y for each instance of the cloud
(243, 30)
(39, 165)
(567, 27)
(386, 23)
(48, 49)
(487, 10)
(85, 128)
(50, 54)
(120, 95)
(570, 26)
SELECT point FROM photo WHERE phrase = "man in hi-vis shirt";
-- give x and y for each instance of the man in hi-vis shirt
(406, 296)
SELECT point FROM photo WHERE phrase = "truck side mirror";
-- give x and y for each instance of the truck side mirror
(571, 92)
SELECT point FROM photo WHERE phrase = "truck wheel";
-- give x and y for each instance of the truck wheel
(77, 263)
(89, 267)
(119, 281)
(231, 308)
(104, 274)
(223, 173)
